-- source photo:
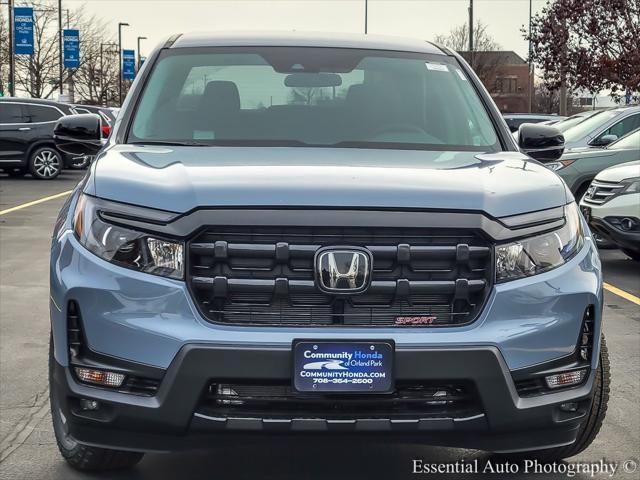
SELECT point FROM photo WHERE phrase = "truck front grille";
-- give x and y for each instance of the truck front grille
(265, 276)
(600, 192)
(439, 399)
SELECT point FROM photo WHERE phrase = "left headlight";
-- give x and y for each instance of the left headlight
(125, 247)
(559, 165)
(538, 254)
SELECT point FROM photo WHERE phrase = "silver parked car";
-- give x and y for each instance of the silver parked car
(603, 128)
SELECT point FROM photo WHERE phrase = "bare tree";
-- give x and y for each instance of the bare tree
(96, 80)
(458, 38)
(4, 53)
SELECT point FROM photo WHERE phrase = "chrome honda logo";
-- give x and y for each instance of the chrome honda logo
(591, 191)
(343, 270)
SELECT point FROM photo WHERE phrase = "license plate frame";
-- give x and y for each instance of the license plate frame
(343, 366)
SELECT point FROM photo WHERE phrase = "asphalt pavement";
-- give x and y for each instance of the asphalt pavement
(27, 447)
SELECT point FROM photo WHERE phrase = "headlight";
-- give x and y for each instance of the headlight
(124, 247)
(540, 253)
(632, 185)
(555, 166)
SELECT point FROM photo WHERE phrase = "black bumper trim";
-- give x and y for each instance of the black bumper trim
(629, 240)
(166, 421)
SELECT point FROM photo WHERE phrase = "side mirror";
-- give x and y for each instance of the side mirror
(605, 140)
(79, 135)
(542, 142)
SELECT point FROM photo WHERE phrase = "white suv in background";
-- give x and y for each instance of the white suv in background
(612, 206)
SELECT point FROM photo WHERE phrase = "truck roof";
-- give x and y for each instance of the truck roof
(298, 39)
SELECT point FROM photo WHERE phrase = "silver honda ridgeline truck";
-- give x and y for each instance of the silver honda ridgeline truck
(312, 236)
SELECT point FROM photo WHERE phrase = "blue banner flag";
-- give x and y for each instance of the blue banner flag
(128, 64)
(23, 30)
(71, 40)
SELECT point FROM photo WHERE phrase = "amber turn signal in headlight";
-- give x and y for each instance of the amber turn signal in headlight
(566, 379)
(99, 377)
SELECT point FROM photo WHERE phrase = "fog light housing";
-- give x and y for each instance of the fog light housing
(99, 377)
(566, 379)
(90, 405)
(569, 407)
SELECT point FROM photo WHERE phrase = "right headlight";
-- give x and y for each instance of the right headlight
(538, 254)
(125, 247)
(632, 186)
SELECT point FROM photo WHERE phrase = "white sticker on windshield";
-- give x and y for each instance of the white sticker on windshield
(461, 75)
(436, 67)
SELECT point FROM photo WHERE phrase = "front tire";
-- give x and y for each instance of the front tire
(82, 457)
(45, 163)
(591, 424)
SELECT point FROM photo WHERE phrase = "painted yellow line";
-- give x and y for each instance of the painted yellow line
(35, 202)
(622, 293)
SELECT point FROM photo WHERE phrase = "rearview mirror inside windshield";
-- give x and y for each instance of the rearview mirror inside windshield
(313, 80)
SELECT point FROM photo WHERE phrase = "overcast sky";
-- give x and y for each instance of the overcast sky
(156, 19)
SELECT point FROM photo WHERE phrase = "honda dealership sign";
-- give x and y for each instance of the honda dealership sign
(23, 25)
(128, 64)
(71, 39)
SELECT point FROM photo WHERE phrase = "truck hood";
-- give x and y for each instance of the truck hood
(179, 179)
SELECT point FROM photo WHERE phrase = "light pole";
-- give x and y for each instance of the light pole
(60, 62)
(102, 95)
(139, 56)
(531, 77)
(120, 25)
(12, 90)
(471, 32)
(366, 11)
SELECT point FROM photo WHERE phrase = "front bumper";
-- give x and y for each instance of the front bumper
(174, 418)
(620, 206)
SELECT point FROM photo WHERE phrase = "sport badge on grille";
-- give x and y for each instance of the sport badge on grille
(343, 270)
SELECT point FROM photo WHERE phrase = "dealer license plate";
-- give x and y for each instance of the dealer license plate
(343, 367)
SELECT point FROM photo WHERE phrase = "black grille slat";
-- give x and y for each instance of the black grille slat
(276, 400)
(265, 275)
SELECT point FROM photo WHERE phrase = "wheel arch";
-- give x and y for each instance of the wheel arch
(43, 143)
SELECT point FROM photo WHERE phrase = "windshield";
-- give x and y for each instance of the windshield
(631, 141)
(566, 124)
(292, 96)
(583, 129)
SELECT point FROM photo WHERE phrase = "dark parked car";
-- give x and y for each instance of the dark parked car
(26, 137)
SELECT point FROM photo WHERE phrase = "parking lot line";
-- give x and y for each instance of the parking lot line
(622, 293)
(35, 202)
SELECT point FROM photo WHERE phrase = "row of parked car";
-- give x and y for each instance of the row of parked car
(26, 136)
(601, 167)
(594, 142)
